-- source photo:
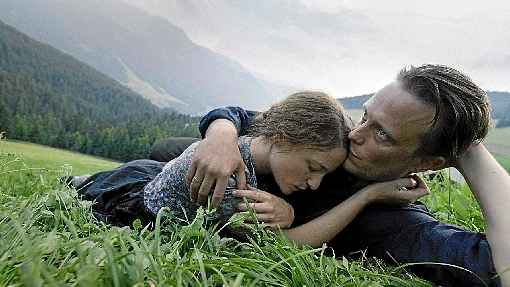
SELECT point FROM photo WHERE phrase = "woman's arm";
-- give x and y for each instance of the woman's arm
(325, 227)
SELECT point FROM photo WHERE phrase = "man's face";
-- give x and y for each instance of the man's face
(383, 143)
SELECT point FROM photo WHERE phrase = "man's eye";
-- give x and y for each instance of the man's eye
(381, 134)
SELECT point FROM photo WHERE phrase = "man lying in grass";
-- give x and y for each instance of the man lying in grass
(431, 117)
(296, 142)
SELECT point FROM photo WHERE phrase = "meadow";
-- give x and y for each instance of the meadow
(39, 156)
(50, 237)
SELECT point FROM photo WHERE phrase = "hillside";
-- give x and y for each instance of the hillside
(62, 161)
(145, 53)
(48, 97)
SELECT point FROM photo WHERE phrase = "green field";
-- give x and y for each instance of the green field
(50, 237)
(499, 136)
(38, 156)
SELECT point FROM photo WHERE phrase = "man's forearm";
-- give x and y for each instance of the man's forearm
(240, 117)
(222, 128)
(490, 183)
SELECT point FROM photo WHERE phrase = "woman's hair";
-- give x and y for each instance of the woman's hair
(311, 119)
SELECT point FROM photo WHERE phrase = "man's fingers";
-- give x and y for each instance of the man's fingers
(219, 191)
(241, 177)
(204, 190)
(195, 184)
(191, 172)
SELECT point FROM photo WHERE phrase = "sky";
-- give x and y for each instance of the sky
(348, 48)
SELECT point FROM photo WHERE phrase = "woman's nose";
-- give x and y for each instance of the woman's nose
(314, 182)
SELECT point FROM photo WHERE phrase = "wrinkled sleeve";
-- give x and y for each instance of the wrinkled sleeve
(240, 117)
(169, 189)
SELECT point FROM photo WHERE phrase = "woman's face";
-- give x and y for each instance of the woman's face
(300, 169)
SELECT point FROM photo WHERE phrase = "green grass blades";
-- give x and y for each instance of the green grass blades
(454, 203)
(50, 238)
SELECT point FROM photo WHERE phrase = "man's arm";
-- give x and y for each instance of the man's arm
(239, 117)
(490, 184)
(217, 157)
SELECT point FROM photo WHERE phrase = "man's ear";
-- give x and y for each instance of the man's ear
(432, 163)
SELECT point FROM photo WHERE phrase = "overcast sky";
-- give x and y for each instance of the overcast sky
(348, 48)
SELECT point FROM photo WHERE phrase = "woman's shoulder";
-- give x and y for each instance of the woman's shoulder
(184, 159)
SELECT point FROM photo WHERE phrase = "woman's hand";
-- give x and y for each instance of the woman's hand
(270, 209)
(215, 159)
(400, 191)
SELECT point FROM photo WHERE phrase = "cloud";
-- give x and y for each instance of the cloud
(347, 47)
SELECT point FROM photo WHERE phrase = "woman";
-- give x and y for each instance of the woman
(296, 142)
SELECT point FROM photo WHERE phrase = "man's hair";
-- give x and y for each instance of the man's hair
(311, 119)
(462, 112)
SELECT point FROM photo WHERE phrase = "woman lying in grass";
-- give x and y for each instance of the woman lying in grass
(295, 143)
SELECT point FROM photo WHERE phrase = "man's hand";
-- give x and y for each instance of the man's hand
(270, 209)
(215, 159)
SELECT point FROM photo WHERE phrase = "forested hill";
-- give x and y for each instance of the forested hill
(500, 104)
(48, 97)
(147, 53)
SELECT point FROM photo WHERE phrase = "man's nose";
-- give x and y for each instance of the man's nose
(356, 136)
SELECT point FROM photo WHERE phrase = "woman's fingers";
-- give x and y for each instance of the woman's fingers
(258, 207)
(252, 193)
(405, 183)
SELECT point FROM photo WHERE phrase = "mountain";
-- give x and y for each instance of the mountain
(354, 102)
(144, 52)
(49, 97)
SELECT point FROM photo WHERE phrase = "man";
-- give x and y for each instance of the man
(431, 117)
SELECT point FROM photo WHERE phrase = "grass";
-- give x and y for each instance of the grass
(38, 156)
(50, 237)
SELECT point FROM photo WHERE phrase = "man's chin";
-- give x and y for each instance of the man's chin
(352, 169)
(361, 173)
